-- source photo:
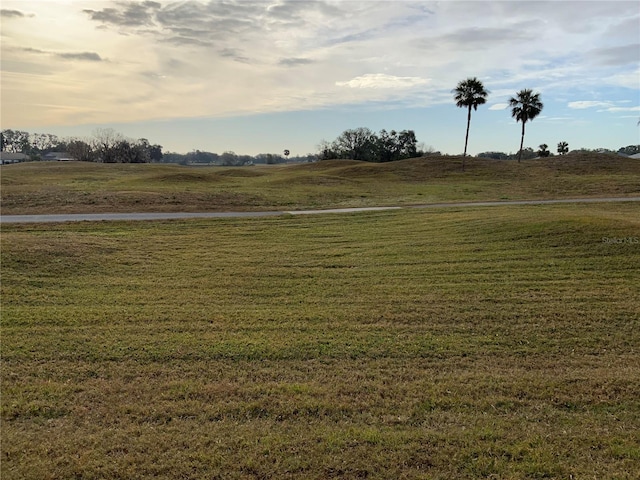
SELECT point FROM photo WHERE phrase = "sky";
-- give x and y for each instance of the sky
(263, 76)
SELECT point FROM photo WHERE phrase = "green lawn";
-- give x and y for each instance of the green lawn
(456, 343)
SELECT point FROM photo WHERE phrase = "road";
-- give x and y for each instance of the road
(99, 217)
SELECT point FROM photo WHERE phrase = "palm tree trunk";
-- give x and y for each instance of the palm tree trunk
(521, 143)
(466, 137)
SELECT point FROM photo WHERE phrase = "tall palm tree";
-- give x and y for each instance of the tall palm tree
(469, 93)
(525, 106)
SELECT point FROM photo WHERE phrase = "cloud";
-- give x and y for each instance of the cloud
(203, 22)
(272, 55)
(192, 23)
(179, 40)
(129, 14)
(626, 79)
(605, 106)
(622, 109)
(382, 80)
(295, 11)
(234, 54)
(32, 50)
(11, 13)
(626, 28)
(84, 56)
(294, 62)
(615, 56)
(481, 38)
(227, 24)
(582, 104)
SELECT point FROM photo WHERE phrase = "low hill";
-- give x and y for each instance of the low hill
(75, 187)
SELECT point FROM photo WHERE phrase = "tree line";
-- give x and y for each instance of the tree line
(109, 146)
(106, 146)
(232, 159)
(563, 148)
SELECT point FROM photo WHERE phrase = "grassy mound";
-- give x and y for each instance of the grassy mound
(82, 187)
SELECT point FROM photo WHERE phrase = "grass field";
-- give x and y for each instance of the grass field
(458, 343)
(445, 344)
(62, 187)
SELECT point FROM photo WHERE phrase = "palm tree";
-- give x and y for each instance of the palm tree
(525, 106)
(563, 148)
(543, 151)
(469, 93)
